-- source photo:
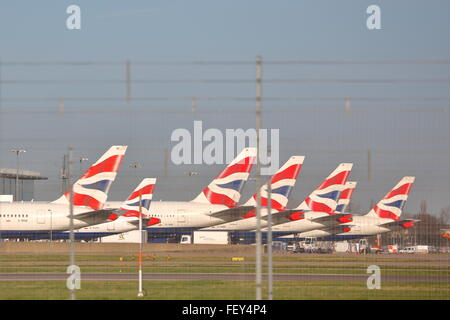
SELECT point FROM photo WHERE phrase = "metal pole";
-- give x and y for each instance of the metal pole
(194, 104)
(17, 151)
(258, 178)
(128, 75)
(136, 165)
(61, 105)
(140, 293)
(81, 165)
(72, 236)
(269, 241)
(1, 82)
(166, 163)
(0, 110)
(51, 226)
(64, 174)
(17, 176)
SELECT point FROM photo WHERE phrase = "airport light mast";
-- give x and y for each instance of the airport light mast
(81, 164)
(17, 151)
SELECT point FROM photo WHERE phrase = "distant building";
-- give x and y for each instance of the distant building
(26, 183)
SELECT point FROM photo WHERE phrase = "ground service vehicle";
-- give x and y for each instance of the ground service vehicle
(311, 245)
(206, 237)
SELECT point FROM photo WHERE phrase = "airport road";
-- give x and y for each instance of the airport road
(213, 276)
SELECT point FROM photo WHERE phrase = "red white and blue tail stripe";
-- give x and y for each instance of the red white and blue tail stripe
(346, 196)
(326, 196)
(226, 188)
(281, 185)
(143, 194)
(391, 206)
(91, 190)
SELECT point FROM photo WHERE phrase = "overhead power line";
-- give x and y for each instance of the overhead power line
(229, 62)
(229, 99)
(228, 81)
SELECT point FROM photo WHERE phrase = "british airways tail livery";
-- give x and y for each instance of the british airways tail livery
(91, 190)
(343, 202)
(226, 188)
(298, 220)
(391, 206)
(384, 217)
(281, 185)
(346, 196)
(139, 199)
(318, 210)
(326, 195)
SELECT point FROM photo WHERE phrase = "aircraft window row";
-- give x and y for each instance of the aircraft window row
(13, 215)
(160, 215)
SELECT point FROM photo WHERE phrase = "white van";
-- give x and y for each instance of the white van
(406, 250)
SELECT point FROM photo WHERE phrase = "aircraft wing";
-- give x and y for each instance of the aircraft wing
(99, 215)
(340, 228)
(285, 216)
(136, 222)
(334, 219)
(232, 214)
(400, 224)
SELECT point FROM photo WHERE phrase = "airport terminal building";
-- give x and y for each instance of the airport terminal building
(26, 178)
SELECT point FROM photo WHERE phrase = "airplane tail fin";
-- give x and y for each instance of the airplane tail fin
(91, 190)
(346, 196)
(226, 188)
(391, 206)
(143, 192)
(281, 185)
(326, 195)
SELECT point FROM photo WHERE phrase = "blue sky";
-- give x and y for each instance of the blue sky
(409, 136)
(224, 29)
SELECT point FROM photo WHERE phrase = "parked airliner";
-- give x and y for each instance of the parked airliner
(27, 219)
(384, 217)
(317, 211)
(213, 205)
(341, 207)
(281, 185)
(124, 220)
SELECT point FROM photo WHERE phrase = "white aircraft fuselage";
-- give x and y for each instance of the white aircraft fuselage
(42, 216)
(302, 225)
(28, 218)
(360, 226)
(241, 224)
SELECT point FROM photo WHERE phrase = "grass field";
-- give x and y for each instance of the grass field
(221, 290)
(429, 266)
(245, 268)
